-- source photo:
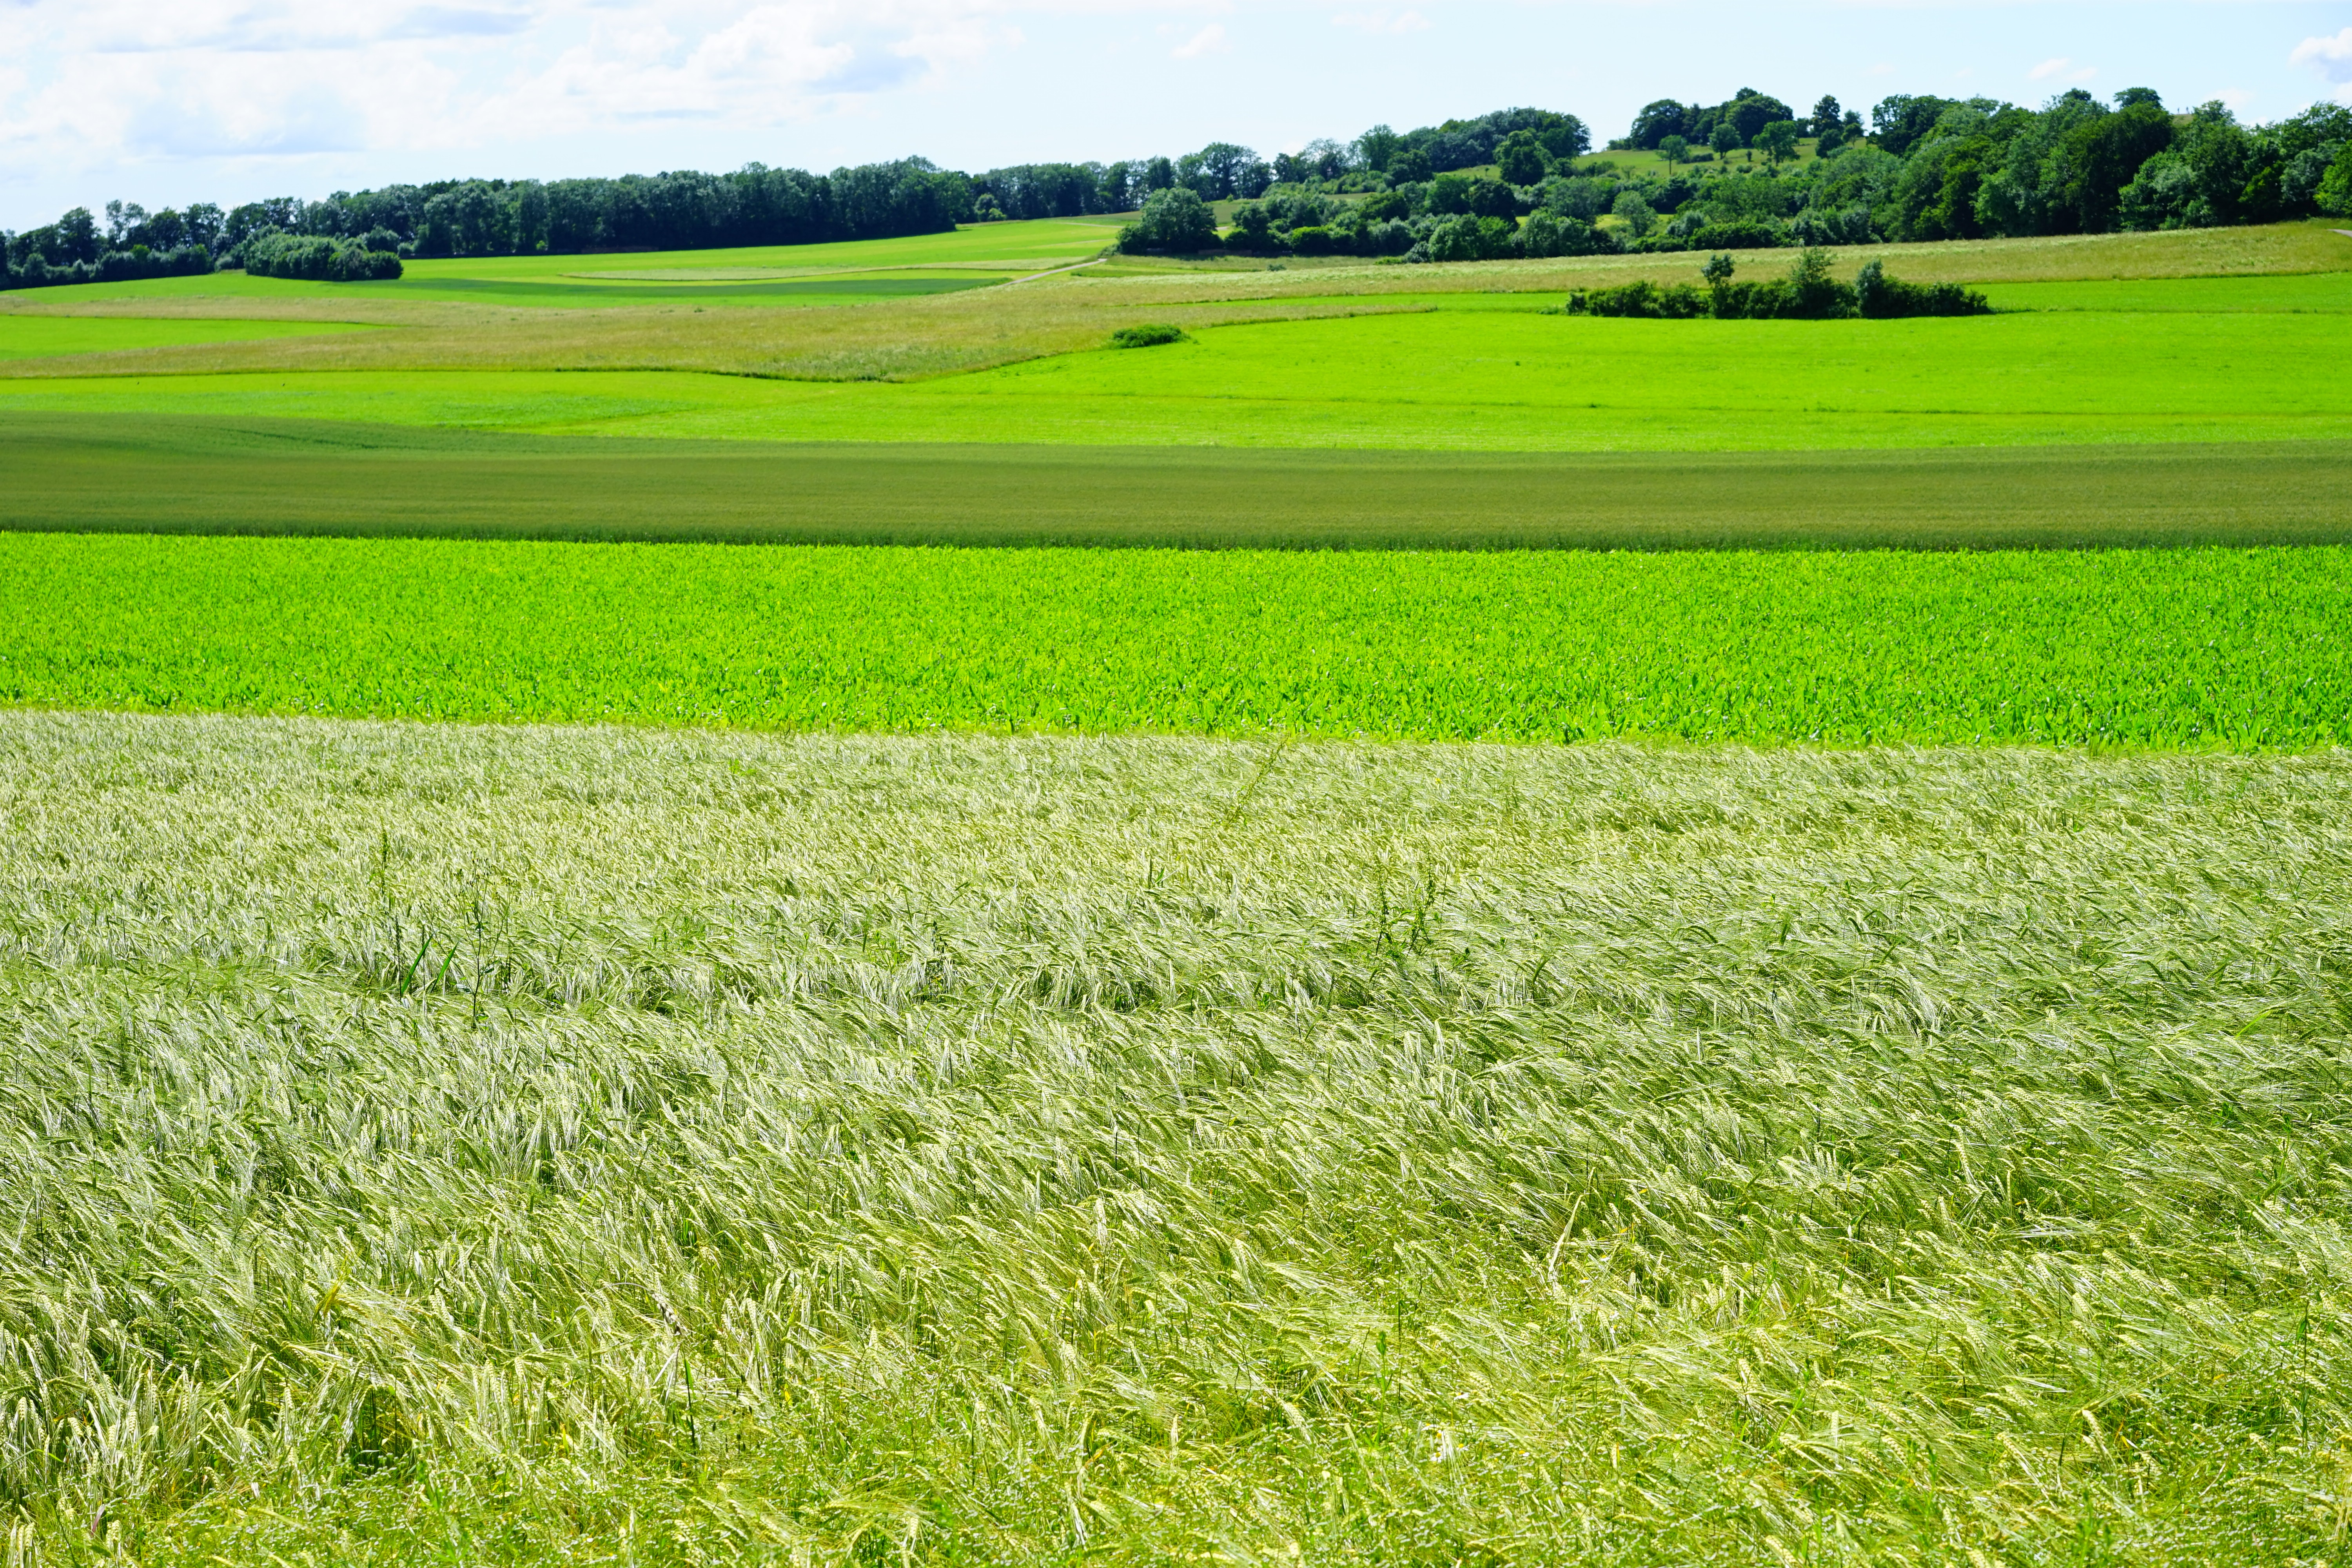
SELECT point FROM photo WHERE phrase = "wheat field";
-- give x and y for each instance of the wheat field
(468, 1144)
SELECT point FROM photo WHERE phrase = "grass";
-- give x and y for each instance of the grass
(45, 337)
(612, 279)
(456, 1146)
(119, 472)
(1491, 381)
(2242, 649)
(921, 337)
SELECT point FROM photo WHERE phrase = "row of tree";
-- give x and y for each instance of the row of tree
(1923, 168)
(1927, 168)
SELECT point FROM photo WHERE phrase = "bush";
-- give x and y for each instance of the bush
(1148, 336)
(1470, 239)
(317, 259)
(1313, 240)
(1809, 293)
(1174, 221)
(2335, 193)
(1882, 297)
(113, 266)
(1682, 301)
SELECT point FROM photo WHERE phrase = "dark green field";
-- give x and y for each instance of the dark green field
(108, 473)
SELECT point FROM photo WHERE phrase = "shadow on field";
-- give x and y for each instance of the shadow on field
(141, 473)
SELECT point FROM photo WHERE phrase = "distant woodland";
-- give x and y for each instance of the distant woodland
(1749, 172)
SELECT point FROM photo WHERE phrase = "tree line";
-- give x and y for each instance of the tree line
(1515, 182)
(1732, 176)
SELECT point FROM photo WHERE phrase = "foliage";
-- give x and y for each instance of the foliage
(317, 259)
(1174, 221)
(1808, 294)
(1150, 335)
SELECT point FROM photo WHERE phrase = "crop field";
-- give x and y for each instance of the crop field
(769, 907)
(2247, 649)
(101, 473)
(1422, 379)
(529, 1145)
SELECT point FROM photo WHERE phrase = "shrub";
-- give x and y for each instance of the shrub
(1313, 240)
(317, 259)
(2335, 193)
(1173, 221)
(1809, 293)
(1148, 336)
(1884, 298)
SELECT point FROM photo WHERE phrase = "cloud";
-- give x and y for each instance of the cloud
(2332, 55)
(2063, 68)
(1383, 22)
(1209, 40)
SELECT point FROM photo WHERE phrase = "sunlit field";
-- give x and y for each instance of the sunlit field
(771, 906)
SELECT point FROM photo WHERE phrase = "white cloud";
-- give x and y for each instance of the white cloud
(2332, 55)
(1209, 40)
(2062, 67)
(1383, 22)
(93, 85)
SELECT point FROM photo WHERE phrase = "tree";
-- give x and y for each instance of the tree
(1639, 216)
(1657, 121)
(2335, 194)
(1778, 141)
(2132, 96)
(1676, 149)
(1377, 147)
(1902, 120)
(1726, 140)
(1751, 112)
(1174, 220)
(1828, 115)
(1521, 160)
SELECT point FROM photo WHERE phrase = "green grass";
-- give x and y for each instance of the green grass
(2294, 293)
(434, 1146)
(2151, 648)
(1433, 381)
(163, 474)
(601, 279)
(41, 337)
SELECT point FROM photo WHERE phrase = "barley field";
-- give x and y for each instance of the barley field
(448, 1144)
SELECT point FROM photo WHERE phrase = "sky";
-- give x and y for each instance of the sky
(230, 100)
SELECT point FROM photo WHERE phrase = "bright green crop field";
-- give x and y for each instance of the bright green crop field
(1431, 381)
(855, 930)
(2152, 649)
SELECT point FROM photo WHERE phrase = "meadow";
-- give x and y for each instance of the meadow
(478, 1146)
(2151, 648)
(768, 908)
(1428, 380)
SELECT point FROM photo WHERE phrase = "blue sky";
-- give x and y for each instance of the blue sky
(231, 100)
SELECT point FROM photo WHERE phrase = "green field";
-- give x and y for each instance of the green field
(45, 337)
(101, 472)
(985, 253)
(2151, 648)
(453, 1146)
(1409, 931)
(1431, 381)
